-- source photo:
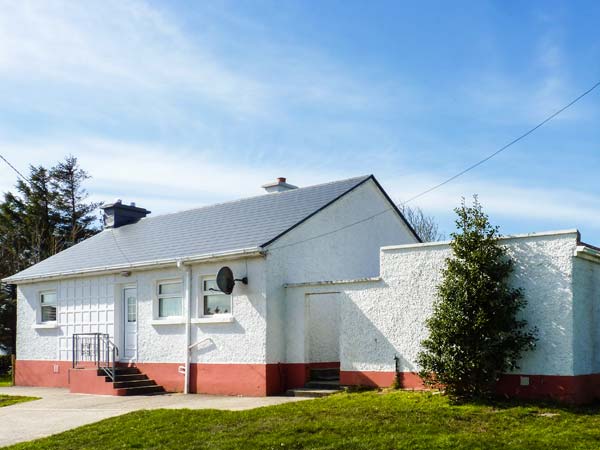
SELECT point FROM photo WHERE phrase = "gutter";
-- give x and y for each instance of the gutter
(251, 251)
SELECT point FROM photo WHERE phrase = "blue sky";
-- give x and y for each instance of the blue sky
(180, 104)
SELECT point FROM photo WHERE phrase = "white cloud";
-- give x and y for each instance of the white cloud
(133, 52)
(501, 198)
(114, 46)
(159, 178)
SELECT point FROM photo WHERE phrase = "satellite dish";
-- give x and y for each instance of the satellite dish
(226, 281)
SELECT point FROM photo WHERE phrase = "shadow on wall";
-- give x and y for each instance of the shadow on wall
(547, 288)
(223, 328)
(380, 321)
(366, 342)
(205, 345)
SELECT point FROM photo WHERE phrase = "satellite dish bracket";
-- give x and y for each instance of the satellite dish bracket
(226, 281)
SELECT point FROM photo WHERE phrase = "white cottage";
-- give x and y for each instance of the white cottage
(141, 294)
(338, 287)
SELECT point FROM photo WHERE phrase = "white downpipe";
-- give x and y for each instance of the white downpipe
(188, 309)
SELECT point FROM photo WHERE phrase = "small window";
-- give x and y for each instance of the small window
(48, 306)
(214, 301)
(169, 299)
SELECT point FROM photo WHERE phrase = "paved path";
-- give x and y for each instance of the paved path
(58, 410)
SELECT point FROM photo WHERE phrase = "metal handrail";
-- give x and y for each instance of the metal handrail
(96, 349)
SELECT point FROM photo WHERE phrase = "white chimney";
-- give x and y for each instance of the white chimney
(279, 185)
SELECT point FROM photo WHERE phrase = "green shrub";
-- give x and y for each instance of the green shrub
(474, 332)
(5, 364)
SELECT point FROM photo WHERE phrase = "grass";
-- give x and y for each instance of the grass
(368, 420)
(7, 400)
(5, 380)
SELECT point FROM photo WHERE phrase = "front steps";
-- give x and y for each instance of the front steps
(128, 381)
(323, 382)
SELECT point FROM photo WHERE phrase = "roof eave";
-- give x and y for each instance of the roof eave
(244, 252)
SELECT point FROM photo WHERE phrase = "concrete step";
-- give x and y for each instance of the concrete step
(122, 371)
(133, 383)
(128, 377)
(310, 392)
(127, 370)
(326, 374)
(323, 384)
(142, 390)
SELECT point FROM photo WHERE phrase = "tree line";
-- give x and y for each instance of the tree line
(47, 212)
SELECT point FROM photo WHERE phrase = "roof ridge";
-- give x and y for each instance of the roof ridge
(362, 177)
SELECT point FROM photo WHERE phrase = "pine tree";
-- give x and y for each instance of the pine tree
(39, 220)
(474, 332)
(47, 213)
(76, 221)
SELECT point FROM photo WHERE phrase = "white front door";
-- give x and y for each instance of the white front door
(129, 352)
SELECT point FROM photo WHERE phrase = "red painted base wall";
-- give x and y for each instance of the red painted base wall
(42, 373)
(272, 379)
(570, 389)
(255, 380)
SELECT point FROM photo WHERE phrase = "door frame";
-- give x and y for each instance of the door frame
(123, 324)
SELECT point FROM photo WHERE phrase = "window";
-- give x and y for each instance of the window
(169, 299)
(130, 295)
(48, 306)
(214, 301)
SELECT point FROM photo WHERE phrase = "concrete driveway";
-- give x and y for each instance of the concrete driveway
(58, 410)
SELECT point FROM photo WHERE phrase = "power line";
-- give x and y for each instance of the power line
(14, 168)
(454, 177)
(500, 150)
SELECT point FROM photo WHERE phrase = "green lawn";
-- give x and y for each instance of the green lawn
(370, 420)
(7, 400)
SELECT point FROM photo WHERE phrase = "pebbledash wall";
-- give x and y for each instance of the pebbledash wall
(382, 318)
(233, 349)
(324, 247)
(245, 355)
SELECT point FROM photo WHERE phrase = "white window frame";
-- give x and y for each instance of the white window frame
(202, 293)
(159, 296)
(41, 306)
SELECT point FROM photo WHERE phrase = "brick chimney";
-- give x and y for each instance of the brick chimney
(117, 214)
(278, 185)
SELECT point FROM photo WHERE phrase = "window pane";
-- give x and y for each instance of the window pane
(48, 298)
(169, 306)
(217, 304)
(170, 288)
(210, 284)
(48, 313)
(131, 309)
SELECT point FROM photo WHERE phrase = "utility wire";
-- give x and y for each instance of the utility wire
(454, 177)
(14, 168)
(500, 150)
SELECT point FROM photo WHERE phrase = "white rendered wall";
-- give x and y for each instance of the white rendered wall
(386, 318)
(84, 305)
(350, 253)
(586, 314)
(241, 341)
(94, 304)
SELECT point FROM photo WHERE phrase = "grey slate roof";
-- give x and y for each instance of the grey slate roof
(241, 224)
